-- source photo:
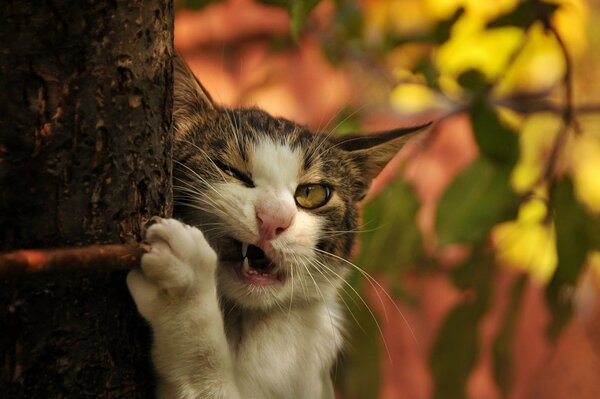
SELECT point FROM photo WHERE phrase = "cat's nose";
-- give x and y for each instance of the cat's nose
(271, 224)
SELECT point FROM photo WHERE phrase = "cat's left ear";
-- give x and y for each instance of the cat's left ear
(371, 152)
(191, 101)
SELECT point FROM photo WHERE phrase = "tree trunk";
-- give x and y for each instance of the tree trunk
(85, 157)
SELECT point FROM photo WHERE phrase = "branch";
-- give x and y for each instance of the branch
(90, 258)
(539, 105)
(568, 114)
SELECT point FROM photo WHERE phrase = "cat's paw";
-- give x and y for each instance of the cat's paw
(179, 258)
(179, 263)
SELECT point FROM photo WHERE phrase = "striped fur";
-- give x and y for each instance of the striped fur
(276, 341)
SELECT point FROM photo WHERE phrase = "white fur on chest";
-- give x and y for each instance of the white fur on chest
(286, 354)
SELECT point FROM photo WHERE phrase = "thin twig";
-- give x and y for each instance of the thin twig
(568, 114)
(89, 258)
(535, 106)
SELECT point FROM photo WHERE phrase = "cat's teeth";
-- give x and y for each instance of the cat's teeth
(246, 264)
(244, 249)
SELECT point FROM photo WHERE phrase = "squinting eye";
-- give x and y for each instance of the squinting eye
(244, 178)
(312, 196)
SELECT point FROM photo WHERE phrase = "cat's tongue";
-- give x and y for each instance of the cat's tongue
(258, 276)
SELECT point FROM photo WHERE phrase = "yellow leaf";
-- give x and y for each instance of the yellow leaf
(413, 98)
(396, 17)
(442, 10)
(487, 51)
(594, 263)
(571, 21)
(585, 168)
(536, 140)
(527, 244)
(539, 66)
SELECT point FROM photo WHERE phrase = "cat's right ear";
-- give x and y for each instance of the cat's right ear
(191, 101)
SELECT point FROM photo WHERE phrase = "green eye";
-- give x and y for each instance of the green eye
(312, 196)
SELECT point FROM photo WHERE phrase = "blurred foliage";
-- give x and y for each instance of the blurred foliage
(192, 4)
(534, 185)
(508, 66)
(477, 199)
(298, 11)
(455, 351)
(521, 202)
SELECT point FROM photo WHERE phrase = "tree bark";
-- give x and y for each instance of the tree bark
(85, 158)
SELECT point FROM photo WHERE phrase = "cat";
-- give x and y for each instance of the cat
(241, 288)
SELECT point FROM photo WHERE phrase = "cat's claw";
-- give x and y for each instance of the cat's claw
(179, 263)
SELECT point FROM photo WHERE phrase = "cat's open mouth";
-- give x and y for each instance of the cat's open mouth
(250, 262)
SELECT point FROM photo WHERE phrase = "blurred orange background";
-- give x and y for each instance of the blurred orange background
(243, 54)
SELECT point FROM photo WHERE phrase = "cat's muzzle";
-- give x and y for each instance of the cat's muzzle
(251, 262)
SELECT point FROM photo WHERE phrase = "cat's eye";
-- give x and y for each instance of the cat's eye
(311, 196)
(244, 178)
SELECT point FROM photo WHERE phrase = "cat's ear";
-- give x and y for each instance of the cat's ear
(190, 98)
(371, 152)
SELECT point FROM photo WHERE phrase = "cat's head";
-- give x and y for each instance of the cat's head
(276, 201)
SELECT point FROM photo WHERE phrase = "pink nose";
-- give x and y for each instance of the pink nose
(271, 224)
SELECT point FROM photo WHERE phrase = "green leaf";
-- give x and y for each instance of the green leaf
(298, 10)
(390, 243)
(443, 30)
(392, 240)
(456, 349)
(358, 375)
(495, 141)
(347, 121)
(593, 231)
(455, 352)
(572, 244)
(473, 80)
(429, 71)
(525, 14)
(503, 342)
(477, 199)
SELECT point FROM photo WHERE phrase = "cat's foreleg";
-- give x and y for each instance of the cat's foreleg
(175, 291)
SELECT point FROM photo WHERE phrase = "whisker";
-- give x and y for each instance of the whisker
(370, 278)
(365, 305)
(327, 269)
(333, 329)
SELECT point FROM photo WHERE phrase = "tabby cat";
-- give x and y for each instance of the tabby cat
(241, 288)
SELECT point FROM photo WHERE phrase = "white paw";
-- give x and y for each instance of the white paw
(180, 262)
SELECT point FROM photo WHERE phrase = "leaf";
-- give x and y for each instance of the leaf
(392, 240)
(346, 121)
(495, 141)
(455, 352)
(429, 71)
(573, 241)
(443, 30)
(390, 243)
(503, 342)
(477, 199)
(359, 375)
(526, 13)
(473, 80)
(456, 349)
(298, 11)
(593, 230)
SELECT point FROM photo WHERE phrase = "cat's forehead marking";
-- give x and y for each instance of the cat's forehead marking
(276, 163)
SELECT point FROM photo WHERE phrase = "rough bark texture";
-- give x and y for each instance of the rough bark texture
(85, 157)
